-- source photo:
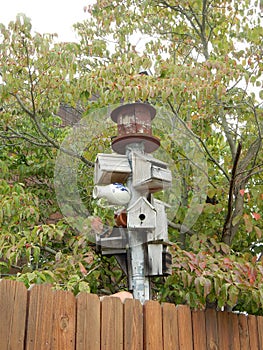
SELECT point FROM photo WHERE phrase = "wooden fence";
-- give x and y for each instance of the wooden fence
(41, 318)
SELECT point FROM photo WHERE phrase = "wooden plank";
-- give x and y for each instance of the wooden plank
(111, 324)
(13, 307)
(170, 327)
(51, 319)
(243, 332)
(199, 332)
(40, 317)
(185, 333)
(260, 331)
(223, 330)
(133, 325)
(211, 329)
(88, 322)
(153, 337)
(253, 332)
(64, 320)
(234, 331)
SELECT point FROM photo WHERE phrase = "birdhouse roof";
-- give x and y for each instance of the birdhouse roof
(141, 201)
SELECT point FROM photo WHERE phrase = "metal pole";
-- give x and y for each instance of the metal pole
(140, 284)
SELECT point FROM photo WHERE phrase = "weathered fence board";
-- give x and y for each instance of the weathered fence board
(243, 333)
(13, 304)
(88, 322)
(211, 329)
(40, 318)
(199, 331)
(253, 332)
(153, 337)
(223, 330)
(133, 325)
(44, 319)
(260, 331)
(234, 332)
(111, 324)
(51, 319)
(64, 320)
(184, 321)
(170, 327)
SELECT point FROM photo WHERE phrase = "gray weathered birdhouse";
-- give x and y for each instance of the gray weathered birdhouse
(154, 260)
(161, 230)
(141, 215)
(158, 261)
(110, 168)
(150, 173)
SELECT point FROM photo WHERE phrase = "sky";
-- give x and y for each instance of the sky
(47, 16)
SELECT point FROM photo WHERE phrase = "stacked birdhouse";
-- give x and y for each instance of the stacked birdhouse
(128, 178)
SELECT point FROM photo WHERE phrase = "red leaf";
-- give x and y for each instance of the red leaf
(256, 216)
(82, 269)
(248, 223)
(242, 192)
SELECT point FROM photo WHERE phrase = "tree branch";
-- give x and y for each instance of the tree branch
(52, 142)
(200, 140)
(181, 227)
(226, 234)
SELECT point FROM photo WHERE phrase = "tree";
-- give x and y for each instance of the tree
(205, 64)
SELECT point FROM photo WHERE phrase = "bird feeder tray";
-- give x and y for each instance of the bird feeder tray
(111, 168)
(116, 243)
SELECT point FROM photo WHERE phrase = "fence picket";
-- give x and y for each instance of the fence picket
(40, 318)
(111, 324)
(234, 332)
(199, 333)
(184, 320)
(51, 319)
(170, 327)
(211, 329)
(223, 330)
(253, 332)
(13, 304)
(260, 331)
(88, 322)
(153, 335)
(64, 320)
(133, 325)
(243, 333)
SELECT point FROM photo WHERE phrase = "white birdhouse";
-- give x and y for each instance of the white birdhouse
(111, 168)
(149, 173)
(141, 214)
